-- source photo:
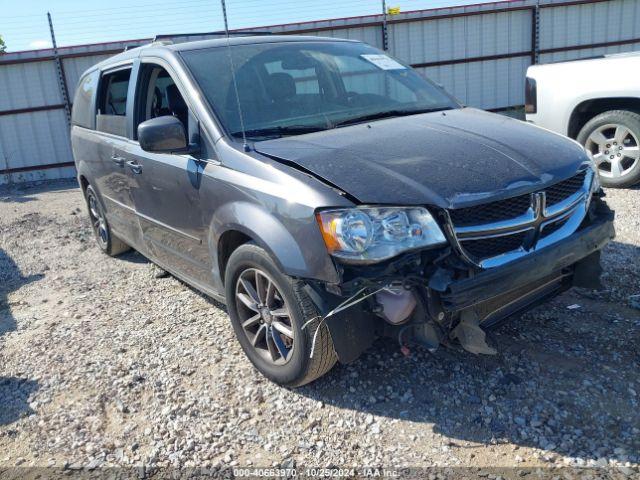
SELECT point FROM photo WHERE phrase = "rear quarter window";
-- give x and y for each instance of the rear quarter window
(83, 110)
(112, 102)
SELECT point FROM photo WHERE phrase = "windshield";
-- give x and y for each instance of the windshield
(291, 88)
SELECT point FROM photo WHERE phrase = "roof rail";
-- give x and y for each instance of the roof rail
(221, 33)
(134, 45)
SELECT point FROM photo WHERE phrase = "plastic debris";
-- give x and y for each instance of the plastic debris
(471, 336)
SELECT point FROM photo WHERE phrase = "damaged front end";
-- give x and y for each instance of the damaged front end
(453, 293)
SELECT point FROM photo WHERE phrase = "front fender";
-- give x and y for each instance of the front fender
(297, 250)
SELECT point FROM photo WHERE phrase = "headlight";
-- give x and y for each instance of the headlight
(367, 235)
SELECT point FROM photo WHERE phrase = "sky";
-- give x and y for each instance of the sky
(24, 26)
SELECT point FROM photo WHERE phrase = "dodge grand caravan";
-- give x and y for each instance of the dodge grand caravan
(330, 195)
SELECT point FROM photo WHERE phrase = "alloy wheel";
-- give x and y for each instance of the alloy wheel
(615, 149)
(264, 316)
(98, 221)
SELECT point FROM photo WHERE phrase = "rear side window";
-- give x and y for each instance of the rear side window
(82, 113)
(112, 102)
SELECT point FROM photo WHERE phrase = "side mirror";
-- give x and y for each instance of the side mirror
(163, 135)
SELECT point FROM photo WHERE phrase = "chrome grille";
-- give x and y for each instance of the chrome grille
(558, 192)
(487, 247)
(494, 233)
(492, 211)
(552, 228)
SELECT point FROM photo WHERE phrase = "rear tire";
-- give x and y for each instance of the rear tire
(106, 240)
(251, 274)
(613, 140)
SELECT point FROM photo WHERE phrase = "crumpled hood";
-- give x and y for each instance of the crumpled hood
(449, 159)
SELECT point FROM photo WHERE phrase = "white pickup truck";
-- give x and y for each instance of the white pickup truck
(597, 103)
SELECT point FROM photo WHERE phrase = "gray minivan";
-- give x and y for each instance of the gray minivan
(329, 195)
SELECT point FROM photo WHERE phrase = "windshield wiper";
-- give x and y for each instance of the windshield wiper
(284, 130)
(387, 114)
(280, 131)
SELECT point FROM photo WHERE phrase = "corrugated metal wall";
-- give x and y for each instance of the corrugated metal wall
(34, 133)
(606, 27)
(482, 83)
(480, 53)
(37, 138)
(370, 35)
(565, 26)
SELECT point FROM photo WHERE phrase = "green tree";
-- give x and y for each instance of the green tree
(3, 47)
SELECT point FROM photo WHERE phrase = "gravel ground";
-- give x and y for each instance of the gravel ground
(103, 364)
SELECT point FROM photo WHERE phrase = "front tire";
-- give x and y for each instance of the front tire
(613, 140)
(267, 310)
(106, 240)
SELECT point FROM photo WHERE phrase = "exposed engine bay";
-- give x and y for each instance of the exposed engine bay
(438, 297)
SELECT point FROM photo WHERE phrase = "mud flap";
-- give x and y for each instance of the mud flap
(352, 331)
(470, 335)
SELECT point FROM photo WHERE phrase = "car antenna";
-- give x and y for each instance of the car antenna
(233, 76)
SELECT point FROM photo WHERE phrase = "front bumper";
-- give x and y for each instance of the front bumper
(547, 263)
(489, 295)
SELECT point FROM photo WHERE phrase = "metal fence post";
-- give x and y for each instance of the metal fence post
(385, 33)
(535, 33)
(62, 81)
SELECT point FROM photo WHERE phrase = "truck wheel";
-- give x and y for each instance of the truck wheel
(613, 139)
(107, 241)
(267, 310)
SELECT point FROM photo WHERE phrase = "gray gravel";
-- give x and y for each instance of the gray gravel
(104, 364)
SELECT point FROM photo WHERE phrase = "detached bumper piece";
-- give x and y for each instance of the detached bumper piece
(497, 293)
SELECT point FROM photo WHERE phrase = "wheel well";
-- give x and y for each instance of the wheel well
(228, 242)
(588, 109)
(84, 183)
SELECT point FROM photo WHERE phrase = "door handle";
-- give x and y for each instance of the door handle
(117, 160)
(135, 167)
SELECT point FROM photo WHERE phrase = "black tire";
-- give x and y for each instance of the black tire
(631, 121)
(106, 240)
(299, 369)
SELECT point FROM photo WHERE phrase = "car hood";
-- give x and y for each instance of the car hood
(450, 159)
